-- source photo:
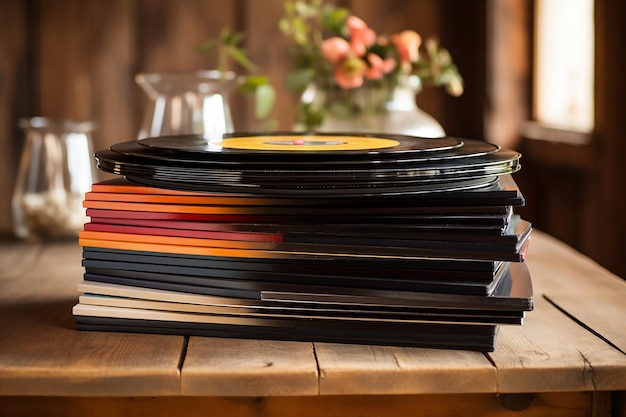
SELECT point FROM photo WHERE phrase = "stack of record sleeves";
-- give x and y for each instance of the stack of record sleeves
(349, 238)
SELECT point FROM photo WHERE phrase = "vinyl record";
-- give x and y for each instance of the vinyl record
(246, 145)
(351, 190)
(470, 148)
(489, 163)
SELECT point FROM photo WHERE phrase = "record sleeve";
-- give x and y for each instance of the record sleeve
(513, 291)
(450, 270)
(450, 336)
(266, 311)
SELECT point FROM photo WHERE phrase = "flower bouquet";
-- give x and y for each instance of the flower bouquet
(357, 69)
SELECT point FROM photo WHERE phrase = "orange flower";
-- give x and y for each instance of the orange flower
(361, 36)
(407, 42)
(378, 66)
(335, 49)
(349, 73)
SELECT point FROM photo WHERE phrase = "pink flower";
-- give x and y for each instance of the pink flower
(349, 73)
(408, 43)
(361, 36)
(335, 49)
(378, 66)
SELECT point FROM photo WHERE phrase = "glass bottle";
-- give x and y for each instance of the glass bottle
(55, 171)
(187, 103)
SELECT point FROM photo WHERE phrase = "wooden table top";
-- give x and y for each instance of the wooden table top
(574, 340)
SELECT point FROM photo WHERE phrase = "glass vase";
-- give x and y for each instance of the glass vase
(187, 103)
(375, 108)
(56, 170)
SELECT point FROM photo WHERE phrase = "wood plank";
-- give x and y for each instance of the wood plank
(604, 224)
(551, 352)
(579, 286)
(261, 27)
(13, 98)
(454, 405)
(16, 258)
(41, 353)
(112, 61)
(508, 71)
(238, 367)
(352, 369)
(169, 34)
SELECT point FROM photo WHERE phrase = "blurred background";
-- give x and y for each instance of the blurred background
(544, 77)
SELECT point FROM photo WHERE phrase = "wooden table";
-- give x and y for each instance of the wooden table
(568, 359)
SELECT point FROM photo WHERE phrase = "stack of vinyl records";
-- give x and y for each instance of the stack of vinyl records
(348, 238)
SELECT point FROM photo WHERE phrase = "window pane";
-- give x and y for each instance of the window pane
(563, 89)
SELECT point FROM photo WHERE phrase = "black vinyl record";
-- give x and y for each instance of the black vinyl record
(469, 148)
(278, 163)
(241, 146)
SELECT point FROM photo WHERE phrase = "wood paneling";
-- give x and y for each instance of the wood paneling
(15, 96)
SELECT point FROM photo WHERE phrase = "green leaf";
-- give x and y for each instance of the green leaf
(303, 9)
(228, 37)
(284, 26)
(253, 82)
(334, 19)
(309, 117)
(300, 31)
(208, 45)
(239, 55)
(300, 79)
(265, 96)
(237, 38)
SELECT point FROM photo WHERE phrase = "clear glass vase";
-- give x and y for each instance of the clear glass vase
(187, 103)
(55, 171)
(373, 109)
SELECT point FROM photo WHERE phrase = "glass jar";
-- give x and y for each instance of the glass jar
(56, 170)
(187, 103)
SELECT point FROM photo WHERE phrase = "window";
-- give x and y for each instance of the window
(563, 64)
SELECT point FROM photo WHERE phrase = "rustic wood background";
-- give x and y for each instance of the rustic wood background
(77, 59)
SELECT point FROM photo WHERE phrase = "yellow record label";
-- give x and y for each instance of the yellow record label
(297, 143)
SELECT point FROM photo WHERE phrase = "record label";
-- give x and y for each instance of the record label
(297, 143)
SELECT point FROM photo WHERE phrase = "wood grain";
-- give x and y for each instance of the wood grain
(215, 366)
(580, 287)
(551, 352)
(14, 93)
(454, 405)
(269, 50)
(351, 369)
(41, 353)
